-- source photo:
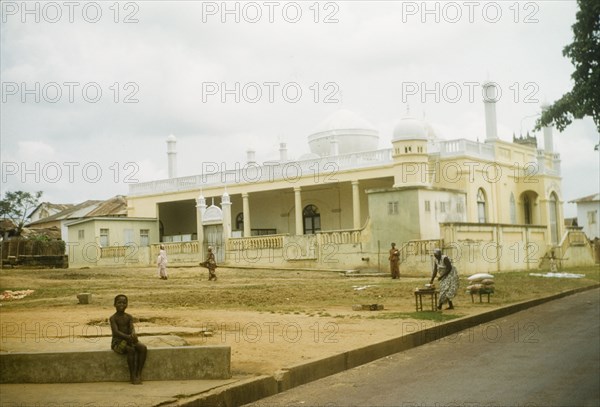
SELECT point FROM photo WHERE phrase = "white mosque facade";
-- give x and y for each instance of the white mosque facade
(492, 205)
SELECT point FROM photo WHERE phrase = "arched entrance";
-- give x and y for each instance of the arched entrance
(528, 202)
(212, 222)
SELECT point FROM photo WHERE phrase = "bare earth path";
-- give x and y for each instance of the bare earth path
(270, 318)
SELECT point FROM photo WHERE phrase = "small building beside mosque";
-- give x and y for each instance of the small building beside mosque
(491, 205)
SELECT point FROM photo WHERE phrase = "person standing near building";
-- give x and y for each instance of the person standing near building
(161, 262)
(394, 259)
(210, 264)
(447, 276)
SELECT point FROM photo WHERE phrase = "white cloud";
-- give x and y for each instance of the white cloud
(374, 50)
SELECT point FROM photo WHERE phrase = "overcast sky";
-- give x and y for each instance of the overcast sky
(91, 90)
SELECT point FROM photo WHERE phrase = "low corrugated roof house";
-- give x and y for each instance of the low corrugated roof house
(113, 207)
(45, 209)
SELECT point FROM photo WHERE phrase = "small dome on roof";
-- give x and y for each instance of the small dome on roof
(409, 128)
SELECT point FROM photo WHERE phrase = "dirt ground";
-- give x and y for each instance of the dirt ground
(263, 338)
(261, 343)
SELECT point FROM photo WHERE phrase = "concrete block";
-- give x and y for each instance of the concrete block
(366, 354)
(174, 363)
(367, 307)
(236, 394)
(84, 298)
(293, 376)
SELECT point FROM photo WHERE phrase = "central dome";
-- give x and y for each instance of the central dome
(352, 133)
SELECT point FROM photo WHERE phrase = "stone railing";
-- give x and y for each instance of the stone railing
(114, 252)
(574, 250)
(466, 147)
(572, 237)
(319, 168)
(176, 248)
(256, 242)
(420, 248)
(339, 237)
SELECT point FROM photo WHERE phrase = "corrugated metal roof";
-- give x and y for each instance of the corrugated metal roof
(589, 198)
(116, 206)
(75, 212)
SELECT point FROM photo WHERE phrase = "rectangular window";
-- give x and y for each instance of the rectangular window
(393, 208)
(591, 217)
(128, 237)
(81, 234)
(442, 207)
(144, 237)
(427, 206)
(104, 242)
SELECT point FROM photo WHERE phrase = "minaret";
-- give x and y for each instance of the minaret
(172, 155)
(490, 97)
(250, 156)
(283, 152)
(548, 137)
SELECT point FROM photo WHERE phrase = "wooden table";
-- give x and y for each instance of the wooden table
(420, 293)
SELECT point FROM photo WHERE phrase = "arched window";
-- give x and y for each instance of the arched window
(527, 210)
(239, 221)
(312, 219)
(481, 206)
(513, 209)
(553, 216)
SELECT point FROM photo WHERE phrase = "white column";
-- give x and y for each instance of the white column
(246, 211)
(355, 205)
(298, 206)
(200, 209)
(226, 208)
(172, 156)
(334, 147)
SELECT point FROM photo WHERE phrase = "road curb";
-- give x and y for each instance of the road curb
(254, 389)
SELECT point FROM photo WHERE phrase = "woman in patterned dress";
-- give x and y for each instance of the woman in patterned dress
(447, 276)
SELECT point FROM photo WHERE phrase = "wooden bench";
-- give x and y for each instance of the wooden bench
(481, 292)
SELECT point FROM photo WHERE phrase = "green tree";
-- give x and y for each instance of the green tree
(16, 206)
(584, 53)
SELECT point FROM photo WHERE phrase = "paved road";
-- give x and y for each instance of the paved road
(544, 356)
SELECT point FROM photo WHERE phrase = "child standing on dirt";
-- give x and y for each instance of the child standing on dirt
(125, 341)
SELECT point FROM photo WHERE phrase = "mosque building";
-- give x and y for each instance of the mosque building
(491, 205)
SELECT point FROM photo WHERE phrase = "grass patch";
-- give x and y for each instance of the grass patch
(425, 315)
(321, 294)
